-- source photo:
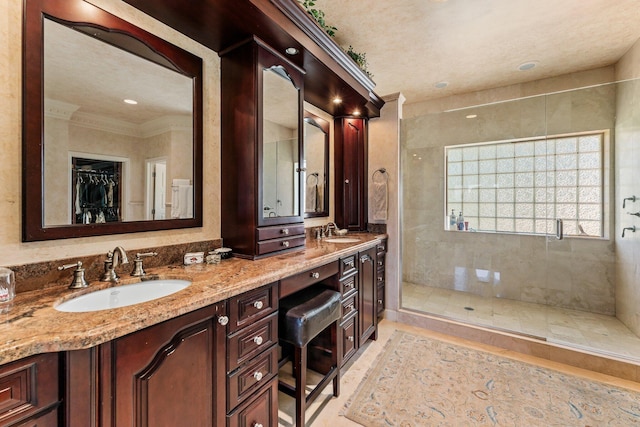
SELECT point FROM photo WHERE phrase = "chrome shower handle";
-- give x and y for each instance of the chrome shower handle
(634, 213)
(624, 201)
(633, 230)
(559, 229)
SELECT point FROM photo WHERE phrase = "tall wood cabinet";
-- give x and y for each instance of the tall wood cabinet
(350, 161)
(262, 109)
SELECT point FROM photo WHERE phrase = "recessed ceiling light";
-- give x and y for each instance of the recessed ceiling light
(526, 66)
(441, 85)
(130, 101)
(337, 100)
(472, 116)
(292, 51)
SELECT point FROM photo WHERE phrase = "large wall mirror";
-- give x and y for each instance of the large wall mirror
(316, 165)
(112, 126)
(281, 168)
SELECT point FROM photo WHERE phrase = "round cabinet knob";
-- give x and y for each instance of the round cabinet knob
(257, 376)
(346, 181)
(285, 244)
(350, 338)
(257, 340)
(223, 320)
(315, 275)
(258, 305)
(257, 425)
(285, 231)
(380, 279)
(380, 301)
(380, 263)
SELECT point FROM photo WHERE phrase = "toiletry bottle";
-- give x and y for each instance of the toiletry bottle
(460, 222)
(452, 221)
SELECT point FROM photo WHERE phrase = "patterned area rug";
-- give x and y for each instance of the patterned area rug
(419, 381)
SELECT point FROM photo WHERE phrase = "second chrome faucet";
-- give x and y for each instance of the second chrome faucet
(114, 258)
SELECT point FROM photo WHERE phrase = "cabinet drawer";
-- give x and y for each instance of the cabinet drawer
(349, 284)
(348, 265)
(250, 377)
(380, 277)
(381, 248)
(380, 261)
(251, 341)
(299, 281)
(349, 305)
(27, 386)
(275, 245)
(261, 411)
(279, 231)
(251, 306)
(380, 300)
(349, 333)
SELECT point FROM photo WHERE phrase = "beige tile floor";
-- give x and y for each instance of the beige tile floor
(583, 330)
(327, 411)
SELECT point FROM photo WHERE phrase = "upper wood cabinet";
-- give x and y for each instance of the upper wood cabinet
(350, 160)
(262, 151)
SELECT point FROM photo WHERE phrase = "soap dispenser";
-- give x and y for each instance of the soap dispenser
(452, 221)
(460, 222)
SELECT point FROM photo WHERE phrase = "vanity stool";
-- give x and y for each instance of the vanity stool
(306, 315)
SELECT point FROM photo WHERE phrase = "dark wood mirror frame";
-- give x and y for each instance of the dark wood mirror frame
(324, 126)
(124, 35)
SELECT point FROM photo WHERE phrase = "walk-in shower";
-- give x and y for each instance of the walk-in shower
(510, 166)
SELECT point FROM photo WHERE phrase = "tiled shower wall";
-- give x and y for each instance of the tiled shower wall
(575, 273)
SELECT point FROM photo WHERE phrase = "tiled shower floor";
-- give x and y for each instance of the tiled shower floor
(588, 331)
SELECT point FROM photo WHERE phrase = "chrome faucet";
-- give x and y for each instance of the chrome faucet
(328, 227)
(114, 258)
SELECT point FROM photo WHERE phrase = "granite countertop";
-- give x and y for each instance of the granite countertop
(33, 326)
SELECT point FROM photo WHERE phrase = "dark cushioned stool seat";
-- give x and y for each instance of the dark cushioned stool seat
(303, 316)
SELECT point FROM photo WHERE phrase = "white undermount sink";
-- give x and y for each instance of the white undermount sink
(122, 296)
(342, 240)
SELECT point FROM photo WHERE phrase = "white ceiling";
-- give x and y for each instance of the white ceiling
(478, 44)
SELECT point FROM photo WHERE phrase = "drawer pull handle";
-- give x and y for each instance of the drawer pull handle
(350, 308)
(380, 301)
(351, 264)
(258, 305)
(285, 243)
(380, 279)
(315, 275)
(365, 258)
(350, 338)
(257, 425)
(223, 320)
(380, 263)
(257, 375)
(285, 231)
(349, 285)
(257, 340)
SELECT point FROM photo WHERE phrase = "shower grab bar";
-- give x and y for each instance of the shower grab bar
(559, 229)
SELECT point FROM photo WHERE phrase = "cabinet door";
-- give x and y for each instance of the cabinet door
(171, 374)
(368, 307)
(351, 173)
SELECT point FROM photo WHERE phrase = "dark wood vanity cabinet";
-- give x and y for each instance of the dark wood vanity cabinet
(351, 168)
(29, 391)
(359, 295)
(262, 109)
(168, 374)
(381, 253)
(252, 358)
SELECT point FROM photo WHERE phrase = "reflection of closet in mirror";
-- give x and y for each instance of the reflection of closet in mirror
(96, 190)
(316, 166)
(97, 86)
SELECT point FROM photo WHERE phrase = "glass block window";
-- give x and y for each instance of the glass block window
(524, 186)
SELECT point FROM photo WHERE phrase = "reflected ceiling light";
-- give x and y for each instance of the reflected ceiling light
(441, 85)
(337, 100)
(471, 116)
(526, 66)
(356, 112)
(130, 101)
(291, 51)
